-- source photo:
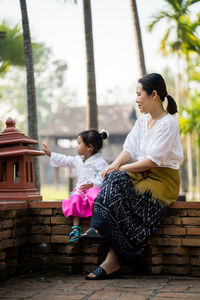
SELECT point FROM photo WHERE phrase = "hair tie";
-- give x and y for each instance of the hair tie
(103, 130)
(167, 95)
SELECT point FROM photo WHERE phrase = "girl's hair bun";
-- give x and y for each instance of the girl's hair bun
(104, 134)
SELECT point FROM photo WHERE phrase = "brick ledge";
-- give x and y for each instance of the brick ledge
(13, 205)
(58, 204)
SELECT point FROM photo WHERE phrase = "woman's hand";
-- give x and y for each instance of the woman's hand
(46, 150)
(123, 168)
(111, 168)
(123, 158)
(86, 186)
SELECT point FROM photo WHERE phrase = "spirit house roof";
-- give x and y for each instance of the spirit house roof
(13, 142)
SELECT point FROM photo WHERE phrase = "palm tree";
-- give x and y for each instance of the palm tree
(91, 120)
(138, 37)
(186, 36)
(177, 17)
(32, 106)
(91, 109)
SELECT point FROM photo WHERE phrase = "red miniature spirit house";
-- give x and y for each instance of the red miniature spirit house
(16, 165)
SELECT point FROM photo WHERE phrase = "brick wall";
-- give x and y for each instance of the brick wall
(175, 247)
(14, 234)
(33, 236)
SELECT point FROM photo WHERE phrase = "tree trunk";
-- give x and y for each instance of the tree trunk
(178, 81)
(138, 38)
(91, 109)
(32, 108)
(184, 167)
(197, 152)
(189, 158)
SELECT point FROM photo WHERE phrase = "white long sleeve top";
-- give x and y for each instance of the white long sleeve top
(161, 143)
(86, 172)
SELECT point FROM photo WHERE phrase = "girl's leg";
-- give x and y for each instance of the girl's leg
(76, 229)
(76, 221)
(110, 264)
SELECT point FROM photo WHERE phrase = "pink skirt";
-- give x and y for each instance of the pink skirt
(80, 204)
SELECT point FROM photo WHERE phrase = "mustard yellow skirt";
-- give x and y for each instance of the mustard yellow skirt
(164, 183)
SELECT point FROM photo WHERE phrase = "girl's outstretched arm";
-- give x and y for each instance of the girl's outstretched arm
(46, 150)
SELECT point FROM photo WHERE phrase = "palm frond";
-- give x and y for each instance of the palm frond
(163, 43)
(175, 4)
(195, 76)
(4, 67)
(11, 47)
(157, 18)
(190, 2)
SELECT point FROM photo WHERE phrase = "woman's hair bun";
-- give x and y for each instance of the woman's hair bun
(104, 134)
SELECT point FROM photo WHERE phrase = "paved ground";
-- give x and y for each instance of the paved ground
(75, 287)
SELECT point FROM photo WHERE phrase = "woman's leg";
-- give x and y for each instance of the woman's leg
(110, 264)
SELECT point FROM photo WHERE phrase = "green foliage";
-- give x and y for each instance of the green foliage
(49, 79)
(190, 115)
(186, 35)
(51, 90)
(193, 67)
(182, 38)
(11, 47)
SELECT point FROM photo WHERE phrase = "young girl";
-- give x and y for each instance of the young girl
(88, 166)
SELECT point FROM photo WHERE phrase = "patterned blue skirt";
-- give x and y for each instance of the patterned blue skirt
(125, 217)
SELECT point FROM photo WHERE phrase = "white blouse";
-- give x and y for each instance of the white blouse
(161, 143)
(86, 172)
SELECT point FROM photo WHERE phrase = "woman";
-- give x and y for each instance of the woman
(143, 180)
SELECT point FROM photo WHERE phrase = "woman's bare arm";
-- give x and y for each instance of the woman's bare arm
(123, 158)
(139, 166)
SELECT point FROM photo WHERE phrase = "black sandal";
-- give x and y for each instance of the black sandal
(100, 274)
(91, 236)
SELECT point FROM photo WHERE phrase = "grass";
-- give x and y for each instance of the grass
(50, 192)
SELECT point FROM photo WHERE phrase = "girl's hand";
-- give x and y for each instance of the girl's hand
(109, 169)
(46, 150)
(86, 186)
